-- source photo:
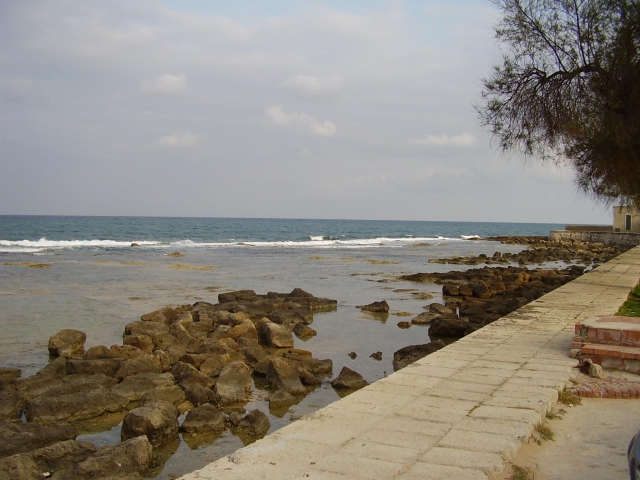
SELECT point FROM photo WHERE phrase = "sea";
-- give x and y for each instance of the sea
(96, 274)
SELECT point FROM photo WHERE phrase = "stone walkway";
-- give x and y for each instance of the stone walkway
(460, 412)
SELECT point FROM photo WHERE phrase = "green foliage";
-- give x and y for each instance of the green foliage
(568, 89)
(631, 308)
(544, 431)
(568, 398)
(521, 473)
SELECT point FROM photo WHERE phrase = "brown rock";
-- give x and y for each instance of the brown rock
(284, 375)
(349, 379)
(411, 353)
(66, 342)
(106, 366)
(19, 437)
(274, 335)
(185, 373)
(234, 383)
(143, 342)
(255, 423)
(98, 352)
(205, 418)
(11, 404)
(157, 420)
(377, 307)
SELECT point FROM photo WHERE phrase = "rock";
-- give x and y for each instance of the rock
(234, 383)
(7, 373)
(236, 296)
(349, 379)
(74, 406)
(149, 328)
(175, 254)
(281, 398)
(244, 329)
(11, 404)
(592, 369)
(214, 364)
(377, 307)
(126, 352)
(299, 293)
(255, 423)
(157, 420)
(96, 353)
(448, 326)
(308, 378)
(439, 309)
(55, 368)
(205, 418)
(404, 324)
(19, 467)
(131, 456)
(376, 356)
(143, 364)
(16, 437)
(135, 387)
(134, 244)
(411, 353)
(195, 359)
(66, 342)
(274, 335)
(106, 366)
(199, 394)
(450, 289)
(171, 393)
(353, 355)
(164, 316)
(253, 355)
(185, 373)
(303, 331)
(425, 318)
(56, 386)
(143, 342)
(313, 365)
(285, 375)
(61, 455)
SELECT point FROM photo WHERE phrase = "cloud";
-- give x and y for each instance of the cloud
(310, 86)
(280, 117)
(165, 84)
(178, 139)
(462, 140)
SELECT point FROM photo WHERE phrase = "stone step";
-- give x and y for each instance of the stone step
(608, 330)
(612, 356)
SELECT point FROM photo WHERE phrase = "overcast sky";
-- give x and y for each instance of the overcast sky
(298, 109)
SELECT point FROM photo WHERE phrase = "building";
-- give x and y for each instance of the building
(626, 219)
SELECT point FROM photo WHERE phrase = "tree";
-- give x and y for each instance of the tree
(568, 90)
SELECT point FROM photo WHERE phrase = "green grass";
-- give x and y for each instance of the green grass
(521, 473)
(569, 398)
(631, 308)
(545, 431)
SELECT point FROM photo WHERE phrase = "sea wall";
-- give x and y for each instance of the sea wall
(461, 412)
(608, 238)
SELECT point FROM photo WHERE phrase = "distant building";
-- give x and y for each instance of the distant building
(626, 219)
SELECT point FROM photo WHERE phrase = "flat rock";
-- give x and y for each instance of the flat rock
(66, 342)
(105, 366)
(16, 437)
(281, 398)
(143, 364)
(424, 318)
(9, 373)
(61, 455)
(411, 353)
(137, 386)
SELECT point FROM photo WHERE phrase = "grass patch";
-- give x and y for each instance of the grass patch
(569, 398)
(544, 431)
(552, 415)
(521, 473)
(631, 308)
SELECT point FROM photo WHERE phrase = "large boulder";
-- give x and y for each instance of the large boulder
(285, 375)
(66, 342)
(157, 420)
(143, 342)
(131, 456)
(274, 335)
(205, 418)
(255, 423)
(11, 404)
(411, 353)
(448, 326)
(16, 437)
(349, 379)
(234, 383)
(74, 406)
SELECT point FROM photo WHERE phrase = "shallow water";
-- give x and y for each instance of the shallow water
(99, 289)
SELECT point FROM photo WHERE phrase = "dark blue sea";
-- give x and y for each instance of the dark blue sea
(84, 273)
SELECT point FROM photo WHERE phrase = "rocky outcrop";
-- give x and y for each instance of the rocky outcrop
(17, 437)
(411, 353)
(11, 404)
(66, 342)
(376, 307)
(157, 420)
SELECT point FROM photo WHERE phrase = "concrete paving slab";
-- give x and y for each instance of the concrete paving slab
(431, 471)
(358, 467)
(489, 463)
(504, 445)
(519, 430)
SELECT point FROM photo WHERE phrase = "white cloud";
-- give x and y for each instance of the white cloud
(462, 140)
(178, 139)
(310, 86)
(165, 84)
(280, 117)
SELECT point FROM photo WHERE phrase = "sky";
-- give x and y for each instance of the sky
(279, 109)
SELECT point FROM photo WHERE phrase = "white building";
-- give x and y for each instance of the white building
(626, 219)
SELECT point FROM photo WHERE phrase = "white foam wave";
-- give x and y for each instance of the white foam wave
(470, 237)
(316, 239)
(44, 244)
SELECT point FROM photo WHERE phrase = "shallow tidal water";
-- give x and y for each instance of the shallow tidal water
(99, 289)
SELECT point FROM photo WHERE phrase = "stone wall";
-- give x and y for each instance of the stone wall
(608, 238)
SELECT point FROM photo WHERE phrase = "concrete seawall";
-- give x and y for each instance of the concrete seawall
(458, 413)
(608, 238)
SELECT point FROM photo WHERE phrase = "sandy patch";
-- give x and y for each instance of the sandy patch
(182, 266)
(27, 264)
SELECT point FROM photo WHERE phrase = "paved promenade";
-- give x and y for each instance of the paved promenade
(459, 413)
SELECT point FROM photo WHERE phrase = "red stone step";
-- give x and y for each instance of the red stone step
(608, 330)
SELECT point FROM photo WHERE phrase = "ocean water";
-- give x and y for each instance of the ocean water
(95, 281)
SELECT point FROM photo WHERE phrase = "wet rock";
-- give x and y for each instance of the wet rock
(425, 318)
(19, 467)
(303, 331)
(9, 373)
(143, 364)
(131, 456)
(205, 418)
(313, 365)
(185, 373)
(376, 307)
(299, 293)
(451, 289)
(199, 394)
(66, 342)
(135, 387)
(281, 398)
(440, 309)
(448, 326)
(124, 352)
(96, 353)
(37, 386)
(274, 335)
(11, 404)
(376, 356)
(106, 366)
(349, 379)
(255, 423)
(234, 383)
(253, 355)
(353, 355)
(61, 455)
(16, 437)
(244, 329)
(411, 353)
(404, 324)
(149, 328)
(74, 406)
(157, 420)
(284, 375)
(169, 393)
